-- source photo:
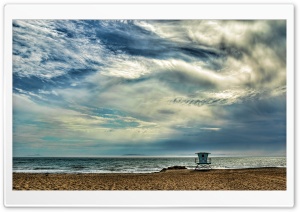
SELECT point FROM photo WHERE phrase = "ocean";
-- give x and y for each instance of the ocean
(133, 164)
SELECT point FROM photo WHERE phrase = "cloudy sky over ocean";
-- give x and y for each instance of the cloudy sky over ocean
(102, 88)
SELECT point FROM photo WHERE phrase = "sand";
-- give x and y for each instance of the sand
(234, 179)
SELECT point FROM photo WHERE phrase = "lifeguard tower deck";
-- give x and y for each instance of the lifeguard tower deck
(203, 162)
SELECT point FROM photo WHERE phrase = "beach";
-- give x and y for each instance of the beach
(182, 179)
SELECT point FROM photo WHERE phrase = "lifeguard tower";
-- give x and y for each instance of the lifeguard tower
(203, 162)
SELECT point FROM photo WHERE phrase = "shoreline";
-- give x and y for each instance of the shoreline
(268, 178)
(190, 169)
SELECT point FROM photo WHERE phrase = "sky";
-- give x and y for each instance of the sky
(149, 87)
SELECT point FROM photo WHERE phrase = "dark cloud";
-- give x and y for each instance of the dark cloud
(166, 112)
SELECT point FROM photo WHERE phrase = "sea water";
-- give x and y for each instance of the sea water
(134, 164)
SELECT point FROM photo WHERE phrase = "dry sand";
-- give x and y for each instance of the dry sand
(234, 179)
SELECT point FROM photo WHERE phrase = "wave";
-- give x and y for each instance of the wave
(78, 167)
(43, 168)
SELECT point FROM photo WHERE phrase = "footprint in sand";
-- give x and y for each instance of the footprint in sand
(112, 186)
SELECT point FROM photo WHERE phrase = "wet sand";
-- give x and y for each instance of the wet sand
(230, 179)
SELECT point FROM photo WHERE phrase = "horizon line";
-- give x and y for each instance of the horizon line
(145, 156)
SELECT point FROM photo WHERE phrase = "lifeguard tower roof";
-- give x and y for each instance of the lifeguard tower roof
(202, 153)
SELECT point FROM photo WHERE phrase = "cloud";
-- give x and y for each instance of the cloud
(153, 85)
(210, 128)
(259, 45)
(70, 125)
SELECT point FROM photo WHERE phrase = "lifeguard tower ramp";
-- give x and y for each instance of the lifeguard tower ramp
(203, 162)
